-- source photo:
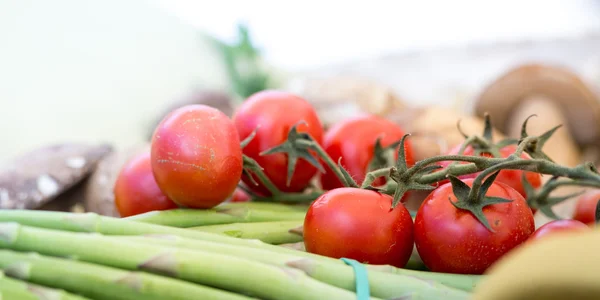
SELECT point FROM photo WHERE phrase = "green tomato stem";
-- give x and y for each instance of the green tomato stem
(255, 169)
(328, 160)
(269, 232)
(215, 216)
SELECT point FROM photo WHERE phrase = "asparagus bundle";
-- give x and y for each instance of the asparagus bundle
(280, 232)
(91, 222)
(33, 291)
(381, 284)
(101, 282)
(217, 270)
(218, 215)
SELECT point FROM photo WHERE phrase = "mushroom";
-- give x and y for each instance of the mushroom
(98, 195)
(556, 96)
(40, 178)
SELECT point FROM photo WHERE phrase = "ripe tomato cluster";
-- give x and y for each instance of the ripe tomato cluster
(197, 161)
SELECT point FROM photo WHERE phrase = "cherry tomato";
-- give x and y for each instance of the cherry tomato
(509, 177)
(359, 224)
(585, 210)
(196, 156)
(558, 227)
(136, 191)
(239, 196)
(354, 141)
(272, 114)
(452, 240)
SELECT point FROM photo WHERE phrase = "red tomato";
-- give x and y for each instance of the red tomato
(359, 224)
(558, 227)
(509, 177)
(136, 191)
(272, 114)
(452, 240)
(239, 196)
(196, 156)
(585, 210)
(353, 140)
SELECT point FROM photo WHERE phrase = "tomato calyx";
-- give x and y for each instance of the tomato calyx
(484, 144)
(404, 179)
(295, 150)
(474, 199)
(541, 199)
(533, 145)
(383, 157)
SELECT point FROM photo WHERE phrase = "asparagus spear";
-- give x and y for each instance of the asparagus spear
(381, 284)
(90, 222)
(199, 217)
(284, 207)
(269, 232)
(101, 282)
(41, 292)
(212, 269)
(15, 294)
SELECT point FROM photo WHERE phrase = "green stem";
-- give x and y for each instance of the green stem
(328, 160)
(206, 268)
(478, 160)
(101, 282)
(388, 283)
(455, 170)
(257, 170)
(371, 176)
(37, 291)
(282, 207)
(291, 197)
(218, 215)
(269, 232)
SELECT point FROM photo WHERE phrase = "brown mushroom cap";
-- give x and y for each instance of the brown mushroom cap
(579, 103)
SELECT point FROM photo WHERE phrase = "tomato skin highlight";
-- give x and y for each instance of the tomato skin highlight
(359, 224)
(585, 209)
(509, 177)
(272, 114)
(196, 156)
(452, 240)
(136, 191)
(354, 141)
(558, 227)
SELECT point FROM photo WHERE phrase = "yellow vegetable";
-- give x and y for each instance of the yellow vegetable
(561, 267)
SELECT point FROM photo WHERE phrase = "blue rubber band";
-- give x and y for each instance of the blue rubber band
(361, 279)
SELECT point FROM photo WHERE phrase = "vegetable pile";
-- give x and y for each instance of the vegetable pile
(270, 205)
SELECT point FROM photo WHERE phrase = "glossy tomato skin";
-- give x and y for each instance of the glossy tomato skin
(359, 224)
(585, 210)
(196, 156)
(136, 191)
(453, 241)
(509, 177)
(353, 140)
(558, 227)
(273, 114)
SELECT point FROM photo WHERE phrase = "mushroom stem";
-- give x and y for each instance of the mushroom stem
(562, 148)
